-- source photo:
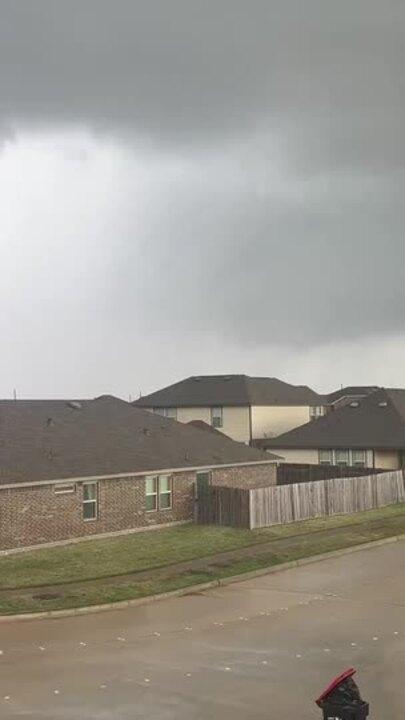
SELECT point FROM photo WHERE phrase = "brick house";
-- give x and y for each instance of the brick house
(74, 469)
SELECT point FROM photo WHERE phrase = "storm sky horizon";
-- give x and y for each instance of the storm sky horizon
(194, 188)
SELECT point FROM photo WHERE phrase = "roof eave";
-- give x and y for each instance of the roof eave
(139, 473)
(338, 446)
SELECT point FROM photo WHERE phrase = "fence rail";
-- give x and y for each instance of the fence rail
(303, 501)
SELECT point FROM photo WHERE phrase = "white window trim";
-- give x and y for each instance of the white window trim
(157, 494)
(346, 453)
(168, 492)
(169, 412)
(358, 464)
(91, 502)
(325, 462)
(220, 416)
(152, 494)
(350, 452)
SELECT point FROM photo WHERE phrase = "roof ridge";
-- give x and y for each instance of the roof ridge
(393, 400)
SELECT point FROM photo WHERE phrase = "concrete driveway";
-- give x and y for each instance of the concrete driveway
(257, 650)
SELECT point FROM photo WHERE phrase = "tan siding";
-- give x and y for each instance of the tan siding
(236, 423)
(370, 458)
(269, 421)
(387, 459)
(297, 456)
(185, 415)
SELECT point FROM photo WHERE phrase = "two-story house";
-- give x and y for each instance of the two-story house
(243, 407)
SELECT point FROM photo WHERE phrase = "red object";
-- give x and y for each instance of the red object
(334, 684)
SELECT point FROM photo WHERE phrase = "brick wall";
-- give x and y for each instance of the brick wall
(249, 476)
(36, 515)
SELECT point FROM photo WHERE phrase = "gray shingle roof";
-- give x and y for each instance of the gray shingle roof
(377, 421)
(234, 390)
(56, 439)
(354, 391)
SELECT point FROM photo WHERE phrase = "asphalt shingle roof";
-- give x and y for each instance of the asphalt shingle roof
(377, 421)
(58, 439)
(234, 390)
(351, 391)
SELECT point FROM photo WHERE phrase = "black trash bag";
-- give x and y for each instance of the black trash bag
(342, 699)
(346, 695)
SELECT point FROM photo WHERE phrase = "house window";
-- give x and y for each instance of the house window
(166, 412)
(342, 457)
(158, 493)
(216, 417)
(90, 501)
(151, 493)
(359, 458)
(165, 492)
(325, 457)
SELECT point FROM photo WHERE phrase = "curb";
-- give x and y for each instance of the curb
(190, 589)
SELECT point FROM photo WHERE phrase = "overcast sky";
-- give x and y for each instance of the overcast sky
(192, 187)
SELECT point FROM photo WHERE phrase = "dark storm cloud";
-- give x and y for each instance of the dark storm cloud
(326, 75)
(264, 275)
(317, 85)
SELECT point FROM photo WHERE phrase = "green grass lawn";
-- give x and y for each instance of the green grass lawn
(150, 550)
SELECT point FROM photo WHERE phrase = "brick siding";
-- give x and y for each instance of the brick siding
(246, 477)
(37, 515)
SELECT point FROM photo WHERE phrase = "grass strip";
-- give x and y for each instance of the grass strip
(252, 551)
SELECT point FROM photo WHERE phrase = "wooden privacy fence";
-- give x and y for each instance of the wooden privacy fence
(302, 501)
(224, 506)
(288, 473)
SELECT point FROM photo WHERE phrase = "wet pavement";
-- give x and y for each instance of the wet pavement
(261, 649)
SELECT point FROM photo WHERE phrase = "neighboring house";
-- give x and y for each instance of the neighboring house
(70, 469)
(366, 433)
(346, 395)
(242, 407)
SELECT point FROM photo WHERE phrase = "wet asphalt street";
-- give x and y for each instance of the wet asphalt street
(257, 650)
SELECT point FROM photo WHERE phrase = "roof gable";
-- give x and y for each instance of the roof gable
(377, 421)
